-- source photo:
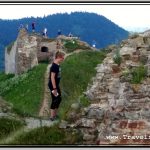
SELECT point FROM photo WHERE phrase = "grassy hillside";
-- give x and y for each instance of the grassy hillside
(25, 92)
(77, 71)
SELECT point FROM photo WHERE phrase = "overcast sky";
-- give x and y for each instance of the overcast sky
(126, 16)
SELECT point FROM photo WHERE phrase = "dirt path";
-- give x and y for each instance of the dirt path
(44, 110)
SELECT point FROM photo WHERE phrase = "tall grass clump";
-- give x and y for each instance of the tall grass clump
(47, 136)
(9, 82)
(117, 58)
(8, 126)
(138, 74)
(77, 71)
(25, 91)
(4, 76)
(72, 45)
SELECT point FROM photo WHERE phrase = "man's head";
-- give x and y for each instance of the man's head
(59, 56)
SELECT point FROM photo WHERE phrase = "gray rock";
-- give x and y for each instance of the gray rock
(88, 137)
(96, 114)
(75, 106)
(87, 123)
(63, 124)
(132, 115)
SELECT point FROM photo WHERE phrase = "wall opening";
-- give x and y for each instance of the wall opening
(44, 49)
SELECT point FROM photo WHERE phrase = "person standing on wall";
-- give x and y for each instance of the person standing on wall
(59, 32)
(54, 80)
(45, 32)
(33, 26)
(26, 27)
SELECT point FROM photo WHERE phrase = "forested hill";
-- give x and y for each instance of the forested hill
(88, 26)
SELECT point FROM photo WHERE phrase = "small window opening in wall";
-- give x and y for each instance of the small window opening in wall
(44, 49)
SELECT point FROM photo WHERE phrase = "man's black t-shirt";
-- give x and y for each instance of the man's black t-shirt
(55, 68)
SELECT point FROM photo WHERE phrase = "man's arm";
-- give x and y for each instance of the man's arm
(53, 83)
(53, 80)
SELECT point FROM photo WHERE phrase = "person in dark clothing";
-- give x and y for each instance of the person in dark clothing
(54, 80)
(26, 27)
(33, 26)
(59, 32)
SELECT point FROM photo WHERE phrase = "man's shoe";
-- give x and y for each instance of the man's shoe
(52, 119)
(56, 117)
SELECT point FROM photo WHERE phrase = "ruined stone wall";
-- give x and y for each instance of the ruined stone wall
(49, 54)
(26, 56)
(119, 110)
(10, 59)
(26, 52)
(123, 106)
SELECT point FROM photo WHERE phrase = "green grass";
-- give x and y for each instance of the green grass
(117, 58)
(47, 136)
(135, 75)
(138, 74)
(25, 92)
(8, 126)
(72, 45)
(4, 76)
(84, 101)
(77, 71)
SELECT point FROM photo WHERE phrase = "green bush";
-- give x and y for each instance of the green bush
(72, 45)
(84, 101)
(8, 126)
(4, 76)
(47, 136)
(117, 58)
(126, 75)
(138, 74)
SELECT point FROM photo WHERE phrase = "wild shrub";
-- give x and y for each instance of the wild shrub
(8, 126)
(47, 136)
(117, 58)
(84, 101)
(138, 74)
(10, 81)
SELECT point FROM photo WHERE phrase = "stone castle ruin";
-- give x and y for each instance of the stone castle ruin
(27, 51)
(31, 48)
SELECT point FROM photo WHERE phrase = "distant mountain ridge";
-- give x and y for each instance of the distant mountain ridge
(88, 26)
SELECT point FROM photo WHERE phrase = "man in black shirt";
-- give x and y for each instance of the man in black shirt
(54, 79)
